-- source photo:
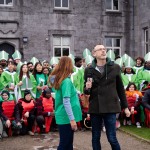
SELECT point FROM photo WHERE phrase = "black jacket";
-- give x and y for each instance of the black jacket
(107, 89)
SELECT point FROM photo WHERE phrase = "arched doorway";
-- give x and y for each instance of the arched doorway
(10, 49)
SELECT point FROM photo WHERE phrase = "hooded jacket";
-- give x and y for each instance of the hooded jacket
(107, 94)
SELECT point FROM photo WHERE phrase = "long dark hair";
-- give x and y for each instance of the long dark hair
(132, 71)
(21, 72)
(131, 83)
(35, 71)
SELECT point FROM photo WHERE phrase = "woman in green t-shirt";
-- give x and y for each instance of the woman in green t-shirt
(67, 106)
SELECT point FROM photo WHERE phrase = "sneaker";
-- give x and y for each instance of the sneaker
(31, 133)
(4, 135)
(118, 124)
(124, 122)
(129, 122)
(138, 125)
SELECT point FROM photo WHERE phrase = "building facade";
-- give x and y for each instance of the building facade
(46, 28)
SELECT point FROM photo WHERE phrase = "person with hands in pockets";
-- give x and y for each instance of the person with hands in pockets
(104, 85)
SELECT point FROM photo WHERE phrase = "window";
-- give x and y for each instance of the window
(61, 46)
(146, 40)
(113, 44)
(112, 5)
(6, 2)
(62, 4)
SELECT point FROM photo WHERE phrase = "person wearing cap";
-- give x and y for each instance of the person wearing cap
(77, 75)
(143, 77)
(67, 105)
(3, 59)
(45, 110)
(104, 85)
(26, 80)
(139, 64)
(16, 56)
(53, 62)
(40, 78)
(46, 64)
(1, 71)
(9, 78)
(7, 106)
(34, 60)
(25, 113)
(128, 75)
(88, 60)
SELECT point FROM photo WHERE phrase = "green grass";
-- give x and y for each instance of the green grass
(141, 132)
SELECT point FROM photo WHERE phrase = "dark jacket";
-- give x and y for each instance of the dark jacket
(107, 89)
(146, 99)
(19, 110)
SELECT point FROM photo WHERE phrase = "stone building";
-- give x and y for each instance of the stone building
(45, 28)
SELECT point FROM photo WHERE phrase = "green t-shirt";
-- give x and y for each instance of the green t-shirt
(67, 89)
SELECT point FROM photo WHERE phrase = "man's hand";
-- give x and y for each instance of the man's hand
(127, 112)
(89, 83)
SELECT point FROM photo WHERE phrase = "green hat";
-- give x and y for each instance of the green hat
(16, 55)
(88, 59)
(3, 55)
(43, 62)
(25, 62)
(72, 58)
(86, 52)
(124, 57)
(111, 55)
(34, 60)
(129, 62)
(119, 61)
(19, 66)
(147, 57)
(54, 60)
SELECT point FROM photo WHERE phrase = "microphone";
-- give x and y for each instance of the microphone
(89, 79)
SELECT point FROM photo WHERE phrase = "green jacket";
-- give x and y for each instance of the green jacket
(128, 78)
(33, 88)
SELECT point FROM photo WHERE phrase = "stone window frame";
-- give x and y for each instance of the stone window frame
(114, 47)
(146, 40)
(61, 7)
(62, 10)
(65, 33)
(6, 5)
(61, 46)
(113, 10)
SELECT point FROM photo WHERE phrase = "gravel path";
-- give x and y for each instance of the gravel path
(82, 141)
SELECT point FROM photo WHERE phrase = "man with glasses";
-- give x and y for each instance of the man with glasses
(104, 85)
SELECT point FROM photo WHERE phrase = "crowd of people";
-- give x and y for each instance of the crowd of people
(71, 93)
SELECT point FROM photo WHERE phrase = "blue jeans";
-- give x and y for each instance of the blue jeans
(110, 125)
(66, 137)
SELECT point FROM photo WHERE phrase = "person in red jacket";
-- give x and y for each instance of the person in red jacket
(45, 110)
(7, 106)
(25, 112)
